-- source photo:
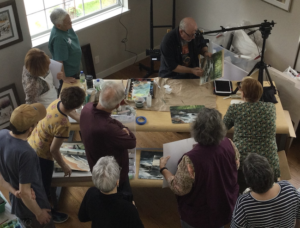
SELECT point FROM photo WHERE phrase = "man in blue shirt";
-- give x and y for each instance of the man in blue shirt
(20, 168)
(64, 46)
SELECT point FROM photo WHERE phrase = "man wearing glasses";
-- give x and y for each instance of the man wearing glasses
(180, 50)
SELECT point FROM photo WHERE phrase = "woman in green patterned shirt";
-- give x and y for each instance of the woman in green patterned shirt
(254, 126)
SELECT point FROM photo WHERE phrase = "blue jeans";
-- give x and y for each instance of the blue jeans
(185, 225)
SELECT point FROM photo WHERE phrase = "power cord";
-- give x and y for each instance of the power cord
(124, 40)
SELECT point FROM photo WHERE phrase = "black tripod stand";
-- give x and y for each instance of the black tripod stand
(265, 29)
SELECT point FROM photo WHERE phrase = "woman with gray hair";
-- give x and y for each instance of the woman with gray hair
(64, 46)
(205, 183)
(268, 204)
(102, 204)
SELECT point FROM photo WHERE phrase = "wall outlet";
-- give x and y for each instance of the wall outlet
(97, 59)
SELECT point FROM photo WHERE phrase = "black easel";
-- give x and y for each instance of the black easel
(150, 69)
(265, 29)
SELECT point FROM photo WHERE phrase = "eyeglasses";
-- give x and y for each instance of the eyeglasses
(190, 36)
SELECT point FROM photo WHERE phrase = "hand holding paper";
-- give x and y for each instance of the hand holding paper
(163, 161)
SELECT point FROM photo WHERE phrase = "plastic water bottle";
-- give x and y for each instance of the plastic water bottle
(97, 85)
(82, 77)
(149, 100)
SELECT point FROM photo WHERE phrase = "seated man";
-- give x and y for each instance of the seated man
(20, 168)
(268, 204)
(179, 52)
(105, 136)
(48, 136)
(102, 204)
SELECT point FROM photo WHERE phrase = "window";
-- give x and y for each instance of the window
(38, 11)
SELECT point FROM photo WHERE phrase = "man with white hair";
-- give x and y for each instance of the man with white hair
(105, 136)
(102, 204)
(179, 52)
(64, 46)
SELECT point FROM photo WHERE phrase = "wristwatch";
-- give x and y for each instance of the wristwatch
(163, 169)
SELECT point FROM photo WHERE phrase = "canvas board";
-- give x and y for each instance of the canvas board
(149, 165)
(176, 150)
(184, 114)
(213, 67)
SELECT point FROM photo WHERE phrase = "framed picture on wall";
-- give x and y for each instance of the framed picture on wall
(9, 100)
(283, 4)
(10, 30)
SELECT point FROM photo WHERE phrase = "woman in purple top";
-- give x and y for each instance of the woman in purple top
(205, 183)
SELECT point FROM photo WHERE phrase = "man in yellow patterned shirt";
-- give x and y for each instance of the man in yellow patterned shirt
(48, 136)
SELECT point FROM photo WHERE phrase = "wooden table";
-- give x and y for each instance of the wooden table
(161, 121)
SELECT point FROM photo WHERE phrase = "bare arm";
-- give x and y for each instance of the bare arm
(62, 76)
(8, 187)
(237, 154)
(186, 70)
(74, 115)
(42, 215)
(205, 52)
(54, 150)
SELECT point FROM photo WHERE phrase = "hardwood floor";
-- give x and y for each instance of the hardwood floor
(156, 206)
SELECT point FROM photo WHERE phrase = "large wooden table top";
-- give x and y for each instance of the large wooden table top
(161, 121)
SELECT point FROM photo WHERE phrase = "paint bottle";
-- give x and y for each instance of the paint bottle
(149, 100)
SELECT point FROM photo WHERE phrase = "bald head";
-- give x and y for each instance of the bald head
(187, 23)
(187, 28)
(111, 95)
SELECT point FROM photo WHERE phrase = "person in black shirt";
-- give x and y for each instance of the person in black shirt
(102, 204)
(179, 52)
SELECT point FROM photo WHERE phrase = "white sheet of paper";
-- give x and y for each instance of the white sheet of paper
(55, 68)
(71, 120)
(176, 150)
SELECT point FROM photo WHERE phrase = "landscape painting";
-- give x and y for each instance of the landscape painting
(149, 165)
(184, 114)
(10, 30)
(9, 100)
(6, 109)
(213, 67)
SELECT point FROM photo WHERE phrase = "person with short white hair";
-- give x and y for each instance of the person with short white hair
(64, 46)
(102, 204)
(105, 136)
(111, 95)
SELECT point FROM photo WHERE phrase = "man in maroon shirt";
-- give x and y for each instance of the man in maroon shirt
(104, 136)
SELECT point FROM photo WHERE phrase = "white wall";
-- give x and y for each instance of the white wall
(104, 37)
(283, 41)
